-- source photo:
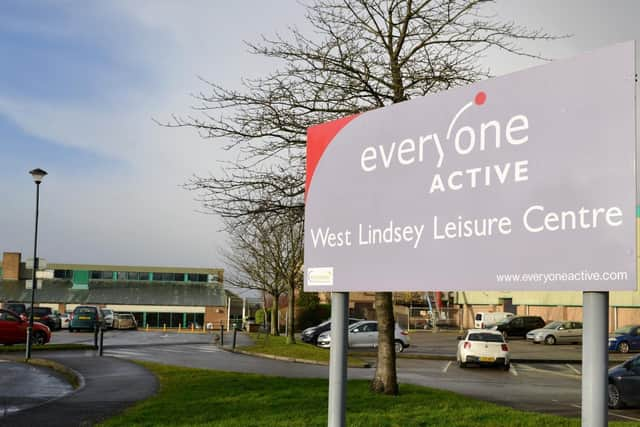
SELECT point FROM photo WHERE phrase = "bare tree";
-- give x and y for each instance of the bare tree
(359, 55)
(266, 253)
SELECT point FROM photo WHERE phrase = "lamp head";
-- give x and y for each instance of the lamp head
(37, 175)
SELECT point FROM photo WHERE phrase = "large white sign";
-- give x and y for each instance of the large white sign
(523, 182)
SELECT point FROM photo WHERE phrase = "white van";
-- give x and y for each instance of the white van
(488, 319)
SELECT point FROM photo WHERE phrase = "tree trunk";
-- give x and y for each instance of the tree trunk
(274, 315)
(291, 339)
(385, 379)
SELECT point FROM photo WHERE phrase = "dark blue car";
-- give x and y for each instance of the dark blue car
(625, 339)
(624, 384)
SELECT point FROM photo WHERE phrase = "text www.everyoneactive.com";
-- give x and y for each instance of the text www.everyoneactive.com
(561, 277)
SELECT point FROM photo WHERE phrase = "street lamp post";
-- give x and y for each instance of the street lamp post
(38, 175)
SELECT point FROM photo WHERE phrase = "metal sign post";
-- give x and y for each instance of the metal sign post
(338, 359)
(594, 358)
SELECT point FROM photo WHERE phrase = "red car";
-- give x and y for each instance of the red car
(13, 330)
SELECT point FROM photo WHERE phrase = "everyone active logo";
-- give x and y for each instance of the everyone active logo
(464, 140)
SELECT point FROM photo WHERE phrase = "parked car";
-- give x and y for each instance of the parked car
(561, 331)
(489, 319)
(365, 334)
(625, 339)
(124, 321)
(483, 346)
(13, 329)
(310, 335)
(45, 315)
(87, 317)
(107, 314)
(65, 318)
(518, 326)
(17, 307)
(624, 384)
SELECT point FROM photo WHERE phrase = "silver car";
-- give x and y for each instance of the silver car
(562, 331)
(364, 334)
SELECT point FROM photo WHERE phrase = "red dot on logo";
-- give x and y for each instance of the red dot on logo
(481, 97)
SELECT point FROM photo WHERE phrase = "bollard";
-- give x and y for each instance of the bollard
(101, 347)
(179, 327)
(95, 336)
(221, 335)
(164, 327)
(233, 346)
(147, 328)
(192, 327)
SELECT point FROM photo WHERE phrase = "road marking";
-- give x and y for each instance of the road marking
(512, 369)
(574, 369)
(446, 367)
(546, 371)
(624, 416)
(205, 348)
(124, 353)
(613, 414)
(176, 351)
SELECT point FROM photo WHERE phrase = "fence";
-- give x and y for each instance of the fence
(415, 317)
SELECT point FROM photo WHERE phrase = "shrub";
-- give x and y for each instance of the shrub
(311, 317)
(260, 317)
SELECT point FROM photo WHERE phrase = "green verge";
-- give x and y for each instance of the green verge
(277, 346)
(46, 347)
(198, 397)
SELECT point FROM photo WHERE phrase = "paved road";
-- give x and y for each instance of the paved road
(109, 385)
(23, 386)
(551, 388)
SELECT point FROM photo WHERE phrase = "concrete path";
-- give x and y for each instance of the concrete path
(110, 385)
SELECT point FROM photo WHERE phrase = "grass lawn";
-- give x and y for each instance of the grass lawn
(197, 397)
(276, 346)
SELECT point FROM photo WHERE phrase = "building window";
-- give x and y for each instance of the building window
(62, 274)
(168, 277)
(193, 277)
(102, 275)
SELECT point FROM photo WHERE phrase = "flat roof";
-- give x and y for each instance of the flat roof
(133, 268)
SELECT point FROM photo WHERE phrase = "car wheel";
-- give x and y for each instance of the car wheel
(460, 362)
(505, 335)
(399, 347)
(70, 329)
(507, 366)
(550, 339)
(614, 397)
(39, 338)
(623, 347)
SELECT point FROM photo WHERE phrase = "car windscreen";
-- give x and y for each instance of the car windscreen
(485, 337)
(623, 331)
(40, 311)
(553, 325)
(478, 316)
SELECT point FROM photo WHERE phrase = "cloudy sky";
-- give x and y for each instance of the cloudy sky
(80, 85)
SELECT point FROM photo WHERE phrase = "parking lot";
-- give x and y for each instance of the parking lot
(444, 343)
